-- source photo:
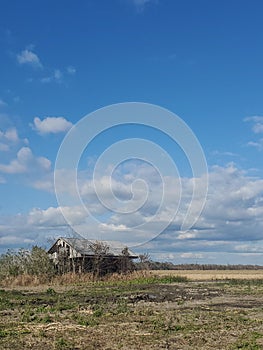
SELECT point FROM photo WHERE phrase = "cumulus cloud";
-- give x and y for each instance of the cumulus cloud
(53, 217)
(233, 210)
(230, 226)
(257, 122)
(25, 162)
(10, 138)
(51, 125)
(10, 135)
(28, 57)
(49, 74)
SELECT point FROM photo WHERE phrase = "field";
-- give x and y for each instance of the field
(199, 275)
(158, 310)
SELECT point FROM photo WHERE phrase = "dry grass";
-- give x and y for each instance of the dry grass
(86, 278)
(69, 279)
(145, 313)
(207, 275)
(24, 281)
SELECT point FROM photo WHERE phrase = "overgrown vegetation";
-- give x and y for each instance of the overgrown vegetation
(34, 262)
(103, 263)
(23, 266)
(37, 262)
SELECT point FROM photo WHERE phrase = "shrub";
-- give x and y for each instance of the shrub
(25, 262)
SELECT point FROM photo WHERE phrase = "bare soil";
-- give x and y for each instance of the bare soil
(134, 314)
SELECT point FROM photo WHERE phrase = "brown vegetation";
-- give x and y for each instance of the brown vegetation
(137, 311)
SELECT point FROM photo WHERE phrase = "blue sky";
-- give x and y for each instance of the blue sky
(202, 60)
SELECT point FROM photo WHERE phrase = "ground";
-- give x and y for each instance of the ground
(142, 312)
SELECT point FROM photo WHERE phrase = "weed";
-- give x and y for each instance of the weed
(86, 320)
(245, 282)
(50, 291)
(46, 319)
(62, 343)
(28, 315)
(248, 342)
(12, 333)
(98, 312)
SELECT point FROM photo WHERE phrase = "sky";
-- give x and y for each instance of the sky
(185, 79)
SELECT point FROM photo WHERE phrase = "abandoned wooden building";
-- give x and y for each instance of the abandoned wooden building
(84, 255)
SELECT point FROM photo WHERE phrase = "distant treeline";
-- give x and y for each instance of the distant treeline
(156, 265)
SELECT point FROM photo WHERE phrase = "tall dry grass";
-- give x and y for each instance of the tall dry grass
(24, 280)
(67, 279)
(71, 279)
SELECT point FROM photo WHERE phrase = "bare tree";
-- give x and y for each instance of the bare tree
(100, 261)
(126, 265)
(144, 261)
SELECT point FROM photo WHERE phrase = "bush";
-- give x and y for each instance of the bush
(25, 262)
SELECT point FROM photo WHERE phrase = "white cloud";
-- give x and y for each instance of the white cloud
(53, 217)
(257, 123)
(113, 228)
(233, 211)
(257, 144)
(228, 154)
(10, 138)
(18, 165)
(191, 256)
(71, 70)
(230, 225)
(58, 74)
(257, 128)
(11, 135)
(28, 57)
(48, 217)
(51, 125)
(25, 162)
(14, 240)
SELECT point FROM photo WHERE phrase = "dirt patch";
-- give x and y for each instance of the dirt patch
(134, 315)
(175, 293)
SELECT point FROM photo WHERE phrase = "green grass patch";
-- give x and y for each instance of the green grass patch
(248, 341)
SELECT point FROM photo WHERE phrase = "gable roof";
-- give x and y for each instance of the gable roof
(83, 246)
